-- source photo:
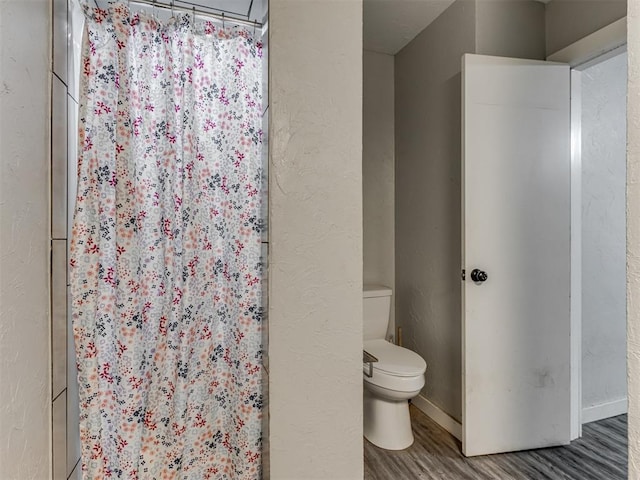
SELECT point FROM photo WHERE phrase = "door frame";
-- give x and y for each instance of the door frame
(601, 45)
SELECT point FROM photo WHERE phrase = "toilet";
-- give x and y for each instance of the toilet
(397, 376)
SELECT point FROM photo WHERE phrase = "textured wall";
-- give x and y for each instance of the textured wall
(25, 402)
(604, 96)
(378, 171)
(315, 239)
(521, 22)
(633, 237)
(427, 113)
(570, 20)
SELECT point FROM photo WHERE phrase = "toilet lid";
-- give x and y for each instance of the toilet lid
(395, 360)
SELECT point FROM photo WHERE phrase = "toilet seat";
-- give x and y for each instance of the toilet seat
(394, 360)
(397, 369)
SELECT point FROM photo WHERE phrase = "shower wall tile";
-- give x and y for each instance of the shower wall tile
(73, 404)
(58, 317)
(60, 39)
(59, 437)
(74, 46)
(58, 159)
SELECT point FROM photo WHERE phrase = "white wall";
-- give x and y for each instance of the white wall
(315, 239)
(25, 395)
(378, 172)
(604, 92)
(633, 236)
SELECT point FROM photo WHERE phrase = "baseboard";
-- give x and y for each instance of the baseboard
(436, 414)
(604, 410)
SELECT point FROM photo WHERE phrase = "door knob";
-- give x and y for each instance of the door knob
(478, 276)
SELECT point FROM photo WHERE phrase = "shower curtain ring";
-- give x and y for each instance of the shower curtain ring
(173, 13)
(223, 20)
(194, 15)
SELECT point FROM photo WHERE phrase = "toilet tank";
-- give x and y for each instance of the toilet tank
(376, 307)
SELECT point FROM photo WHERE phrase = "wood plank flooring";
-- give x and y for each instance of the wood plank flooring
(600, 454)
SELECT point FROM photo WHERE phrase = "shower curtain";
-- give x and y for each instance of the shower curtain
(165, 264)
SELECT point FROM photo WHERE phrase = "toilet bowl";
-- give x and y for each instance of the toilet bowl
(397, 377)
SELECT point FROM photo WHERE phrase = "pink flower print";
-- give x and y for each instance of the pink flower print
(199, 64)
(239, 247)
(193, 263)
(251, 190)
(96, 451)
(251, 369)
(121, 348)
(225, 272)
(166, 228)
(251, 280)
(178, 295)
(91, 246)
(90, 350)
(88, 144)
(148, 420)
(177, 203)
(105, 372)
(227, 442)
(162, 327)
(206, 333)
(209, 28)
(199, 421)
(158, 69)
(135, 382)
(109, 278)
(101, 108)
(239, 65)
(177, 430)
(136, 126)
(121, 444)
(223, 96)
(223, 185)
(209, 124)
(239, 158)
(148, 107)
(251, 456)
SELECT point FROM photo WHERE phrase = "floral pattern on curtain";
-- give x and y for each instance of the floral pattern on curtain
(165, 257)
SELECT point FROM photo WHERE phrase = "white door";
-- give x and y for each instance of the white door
(516, 229)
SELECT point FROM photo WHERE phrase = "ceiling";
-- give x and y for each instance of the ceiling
(388, 25)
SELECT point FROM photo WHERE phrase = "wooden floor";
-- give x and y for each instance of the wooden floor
(600, 454)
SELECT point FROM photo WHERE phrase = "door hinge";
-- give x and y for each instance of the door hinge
(464, 274)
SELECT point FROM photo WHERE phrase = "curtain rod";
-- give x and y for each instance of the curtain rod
(196, 11)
